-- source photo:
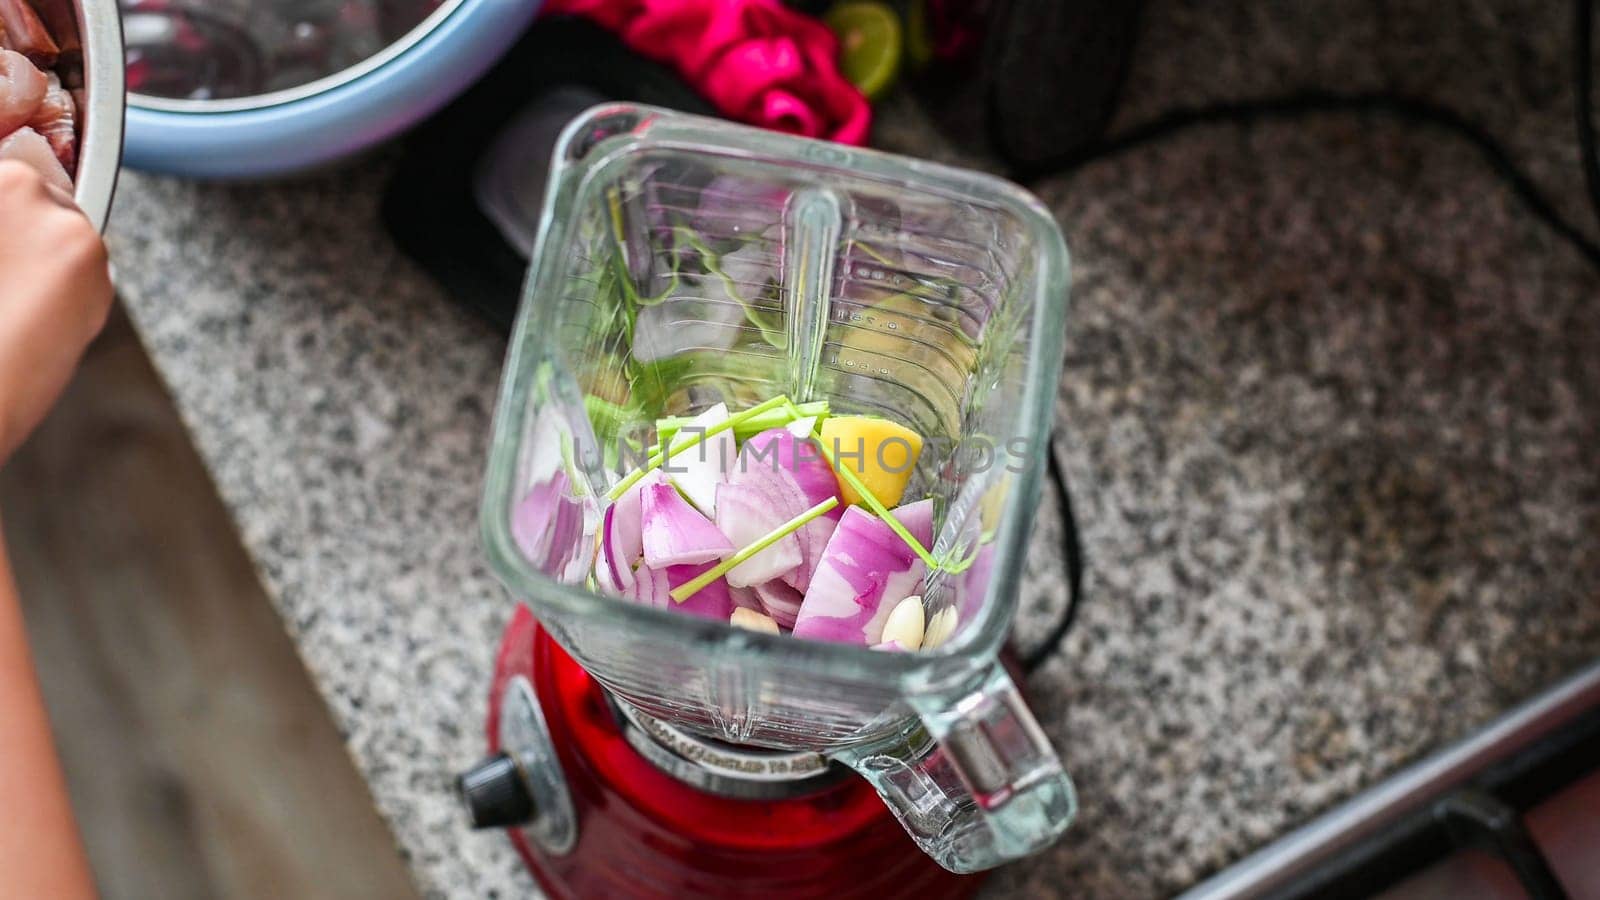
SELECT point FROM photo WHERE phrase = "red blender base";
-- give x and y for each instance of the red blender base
(644, 833)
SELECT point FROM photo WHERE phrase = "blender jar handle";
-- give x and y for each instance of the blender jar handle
(977, 786)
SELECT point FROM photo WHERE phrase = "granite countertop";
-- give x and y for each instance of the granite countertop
(1330, 410)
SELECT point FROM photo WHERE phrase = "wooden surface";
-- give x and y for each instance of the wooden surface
(201, 760)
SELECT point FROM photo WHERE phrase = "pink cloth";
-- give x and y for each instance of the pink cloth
(754, 60)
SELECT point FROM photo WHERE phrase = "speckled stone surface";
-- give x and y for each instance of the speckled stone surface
(1331, 410)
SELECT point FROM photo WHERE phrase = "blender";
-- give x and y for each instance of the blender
(640, 752)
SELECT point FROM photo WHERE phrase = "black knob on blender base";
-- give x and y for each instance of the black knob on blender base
(495, 794)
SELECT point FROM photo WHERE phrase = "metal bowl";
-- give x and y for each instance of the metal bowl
(271, 127)
(101, 109)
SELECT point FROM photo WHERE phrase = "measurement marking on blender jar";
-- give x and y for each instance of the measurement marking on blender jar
(815, 221)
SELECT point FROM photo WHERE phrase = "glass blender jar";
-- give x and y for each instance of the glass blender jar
(884, 285)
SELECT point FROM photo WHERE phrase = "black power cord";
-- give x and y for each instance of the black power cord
(1072, 557)
(1583, 86)
(1304, 104)
(1310, 103)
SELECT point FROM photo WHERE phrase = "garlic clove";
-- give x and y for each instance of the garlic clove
(939, 628)
(905, 624)
(753, 621)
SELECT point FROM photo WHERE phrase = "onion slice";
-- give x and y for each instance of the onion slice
(865, 570)
(675, 533)
(746, 512)
(794, 476)
(972, 586)
(612, 568)
(745, 598)
(628, 533)
(547, 524)
(918, 519)
(650, 588)
(714, 601)
(653, 588)
(781, 601)
(697, 470)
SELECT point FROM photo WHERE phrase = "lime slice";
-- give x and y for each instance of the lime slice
(869, 44)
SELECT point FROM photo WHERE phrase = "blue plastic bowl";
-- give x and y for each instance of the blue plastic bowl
(334, 117)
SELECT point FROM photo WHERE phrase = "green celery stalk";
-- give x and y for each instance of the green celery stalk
(732, 421)
(660, 456)
(961, 565)
(780, 418)
(689, 588)
(754, 425)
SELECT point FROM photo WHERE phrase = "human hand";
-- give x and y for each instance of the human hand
(55, 292)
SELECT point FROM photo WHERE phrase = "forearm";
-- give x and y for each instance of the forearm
(40, 852)
(54, 292)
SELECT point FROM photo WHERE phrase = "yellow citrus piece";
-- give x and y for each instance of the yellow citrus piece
(994, 502)
(882, 453)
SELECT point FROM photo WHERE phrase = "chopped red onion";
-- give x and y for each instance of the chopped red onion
(697, 470)
(653, 587)
(781, 601)
(675, 533)
(796, 477)
(865, 570)
(918, 520)
(747, 512)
